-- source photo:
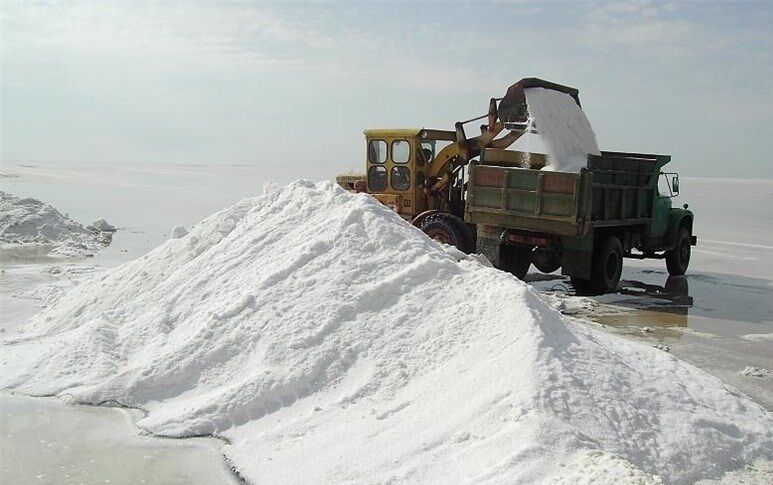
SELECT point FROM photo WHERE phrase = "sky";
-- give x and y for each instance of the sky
(295, 84)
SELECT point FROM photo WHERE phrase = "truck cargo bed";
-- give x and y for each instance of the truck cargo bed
(616, 189)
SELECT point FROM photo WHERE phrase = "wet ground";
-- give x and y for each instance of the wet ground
(719, 316)
(45, 441)
(721, 323)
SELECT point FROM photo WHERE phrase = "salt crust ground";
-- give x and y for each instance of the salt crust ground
(30, 221)
(329, 341)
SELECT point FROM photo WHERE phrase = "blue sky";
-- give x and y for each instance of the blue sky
(295, 84)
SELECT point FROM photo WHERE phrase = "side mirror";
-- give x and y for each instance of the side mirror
(675, 184)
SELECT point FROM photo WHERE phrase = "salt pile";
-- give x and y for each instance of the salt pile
(563, 127)
(329, 341)
(101, 225)
(30, 221)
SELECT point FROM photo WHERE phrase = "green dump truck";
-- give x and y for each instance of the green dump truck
(582, 223)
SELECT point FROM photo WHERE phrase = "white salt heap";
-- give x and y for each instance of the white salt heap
(563, 127)
(30, 221)
(101, 225)
(330, 341)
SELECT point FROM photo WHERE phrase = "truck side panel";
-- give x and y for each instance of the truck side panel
(526, 198)
(616, 190)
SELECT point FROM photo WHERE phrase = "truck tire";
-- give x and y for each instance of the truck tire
(449, 229)
(606, 269)
(515, 260)
(678, 259)
(677, 286)
(581, 286)
(546, 261)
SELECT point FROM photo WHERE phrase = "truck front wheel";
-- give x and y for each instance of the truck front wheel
(678, 258)
(607, 267)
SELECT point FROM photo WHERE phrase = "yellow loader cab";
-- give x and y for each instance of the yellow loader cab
(397, 166)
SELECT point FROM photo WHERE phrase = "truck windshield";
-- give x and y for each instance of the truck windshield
(666, 185)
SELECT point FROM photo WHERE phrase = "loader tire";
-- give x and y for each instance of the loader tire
(449, 229)
(678, 259)
(515, 260)
(606, 269)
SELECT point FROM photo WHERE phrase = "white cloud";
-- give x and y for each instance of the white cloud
(641, 29)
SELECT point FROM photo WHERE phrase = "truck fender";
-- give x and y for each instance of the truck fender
(677, 219)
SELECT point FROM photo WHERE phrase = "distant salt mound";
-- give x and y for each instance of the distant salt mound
(30, 221)
(563, 128)
(101, 225)
(178, 232)
(330, 341)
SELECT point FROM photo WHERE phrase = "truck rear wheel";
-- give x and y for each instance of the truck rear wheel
(581, 286)
(678, 258)
(546, 261)
(606, 269)
(515, 260)
(449, 229)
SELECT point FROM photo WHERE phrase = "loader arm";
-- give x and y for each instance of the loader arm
(462, 151)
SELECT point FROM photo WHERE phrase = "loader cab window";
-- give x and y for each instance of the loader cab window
(401, 177)
(401, 151)
(426, 152)
(377, 151)
(377, 178)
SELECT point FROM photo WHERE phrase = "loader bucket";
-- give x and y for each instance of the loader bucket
(512, 107)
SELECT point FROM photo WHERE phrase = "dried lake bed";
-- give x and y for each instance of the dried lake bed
(719, 317)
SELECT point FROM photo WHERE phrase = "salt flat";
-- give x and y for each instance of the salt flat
(145, 227)
(47, 442)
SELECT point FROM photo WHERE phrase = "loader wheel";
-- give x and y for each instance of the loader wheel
(678, 258)
(515, 260)
(449, 229)
(606, 270)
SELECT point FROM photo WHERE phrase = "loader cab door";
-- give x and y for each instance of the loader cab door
(377, 171)
(400, 172)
